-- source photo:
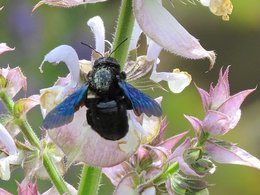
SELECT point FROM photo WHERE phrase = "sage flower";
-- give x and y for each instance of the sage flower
(77, 139)
(12, 81)
(222, 110)
(222, 114)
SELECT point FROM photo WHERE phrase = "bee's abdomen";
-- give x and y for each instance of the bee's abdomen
(109, 119)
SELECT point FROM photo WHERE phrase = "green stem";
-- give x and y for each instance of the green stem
(124, 30)
(90, 179)
(173, 168)
(8, 102)
(28, 132)
(34, 140)
(57, 180)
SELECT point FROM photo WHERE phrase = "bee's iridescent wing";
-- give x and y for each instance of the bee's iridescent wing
(64, 112)
(141, 103)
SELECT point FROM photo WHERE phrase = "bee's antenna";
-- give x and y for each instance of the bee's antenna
(118, 46)
(91, 48)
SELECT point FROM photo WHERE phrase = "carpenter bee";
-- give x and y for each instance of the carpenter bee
(107, 111)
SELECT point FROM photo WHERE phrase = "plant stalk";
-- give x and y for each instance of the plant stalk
(123, 30)
(90, 180)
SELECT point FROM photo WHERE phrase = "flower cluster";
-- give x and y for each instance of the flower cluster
(148, 169)
(142, 161)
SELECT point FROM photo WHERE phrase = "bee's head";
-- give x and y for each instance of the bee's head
(103, 77)
(106, 61)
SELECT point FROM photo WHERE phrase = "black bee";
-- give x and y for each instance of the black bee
(107, 112)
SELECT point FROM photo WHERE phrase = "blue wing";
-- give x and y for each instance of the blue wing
(64, 112)
(140, 102)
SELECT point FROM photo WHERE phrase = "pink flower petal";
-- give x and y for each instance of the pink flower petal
(2, 191)
(64, 3)
(15, 81)
(205, 97)
(97, 26)
(196, 123)
(158, 24)
(220, 93)
(29, 189)
(233, 103)
(66, 54)
(116, 173)
(229, 153)
(4, 47)
(216, 123)
(172, 141)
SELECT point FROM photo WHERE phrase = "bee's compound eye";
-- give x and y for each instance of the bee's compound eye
(123, 75)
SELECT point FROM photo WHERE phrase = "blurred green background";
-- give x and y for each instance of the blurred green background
(236, 43)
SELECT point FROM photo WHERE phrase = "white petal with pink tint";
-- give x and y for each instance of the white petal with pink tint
(64, 3)
(7, 140)
(81, 143)
(97, 26)
(230, 154)
(196, 123)
(153, 51)
(13, 156)
(5, 48)
(15, 81)
(158, 24)
(68, 55)
(135, 36)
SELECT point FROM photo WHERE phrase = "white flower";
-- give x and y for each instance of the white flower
(12, 156)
